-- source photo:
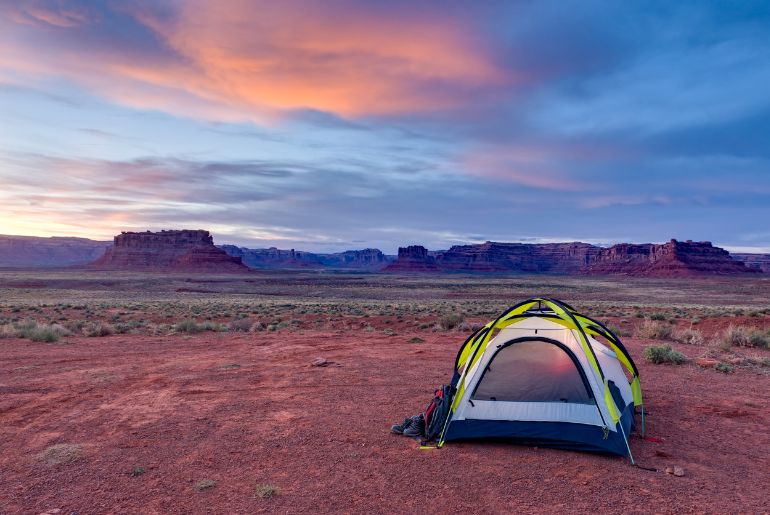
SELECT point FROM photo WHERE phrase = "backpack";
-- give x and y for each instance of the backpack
(437, 412)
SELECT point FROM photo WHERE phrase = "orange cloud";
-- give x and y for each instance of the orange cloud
(245, 59)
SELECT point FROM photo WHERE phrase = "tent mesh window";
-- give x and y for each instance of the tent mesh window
(532, 371)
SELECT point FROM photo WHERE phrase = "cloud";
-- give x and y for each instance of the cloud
(255, 60)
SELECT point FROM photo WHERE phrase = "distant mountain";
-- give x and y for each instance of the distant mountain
(35, 252)
(273, 258)
(671, 259)
(178, 250)
(194, 251)
(755, 261)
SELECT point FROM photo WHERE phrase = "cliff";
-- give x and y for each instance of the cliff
(671, 259)
(31, 251)
(273, 258)
(555, 258)
(759, 262)
(184, 250)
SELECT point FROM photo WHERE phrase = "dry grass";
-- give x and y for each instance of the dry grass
(61, 453)
(739, 336)
(689, 337)
(654, 330)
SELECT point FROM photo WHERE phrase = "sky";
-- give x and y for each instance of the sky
(335, 125)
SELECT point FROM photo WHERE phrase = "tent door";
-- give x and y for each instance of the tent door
(533, 369)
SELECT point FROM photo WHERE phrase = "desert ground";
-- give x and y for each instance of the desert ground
(151, 393)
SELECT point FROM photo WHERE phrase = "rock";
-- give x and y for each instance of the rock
(671, 259)
(675, 471)
(557, 258)
(706, 362)
(31, 251)
(183, 250)
(319, 362)
(414, 258)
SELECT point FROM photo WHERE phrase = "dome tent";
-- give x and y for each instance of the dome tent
(538, 375)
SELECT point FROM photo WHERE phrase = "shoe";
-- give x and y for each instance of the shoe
(417, 427)
(400, 428)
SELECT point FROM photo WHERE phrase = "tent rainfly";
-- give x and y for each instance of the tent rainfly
(538, 375)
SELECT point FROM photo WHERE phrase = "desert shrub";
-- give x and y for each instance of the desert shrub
(188, 326)
(724, 368)
(97, 329)
(45, 333)
(213, 326)
(389, 332)
(742, 337)
(450, 321)
(31, 330)
(759, 339)
(266, 491)
(257, 326)
(689, 336)
(416, 339)
(137, 471)
(657, 316)
(654, 330)
(241, 325)
(663, 354)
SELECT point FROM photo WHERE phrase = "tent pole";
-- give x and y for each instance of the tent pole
(630, 456)
(642, 420)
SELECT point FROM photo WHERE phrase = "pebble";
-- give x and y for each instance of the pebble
(319, 362)
(676, 471)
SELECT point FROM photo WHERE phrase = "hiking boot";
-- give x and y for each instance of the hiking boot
(403, 426)
(417, 427)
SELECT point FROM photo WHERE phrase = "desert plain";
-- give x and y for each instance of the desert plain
(133, 392)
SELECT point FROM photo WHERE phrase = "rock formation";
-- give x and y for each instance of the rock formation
(671, 259)
(759, 262)
(273, 258)
(185, 250)
(31, 251)
(555, 258)
(414, 258)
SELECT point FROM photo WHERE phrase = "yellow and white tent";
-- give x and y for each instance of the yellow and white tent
(539, 374)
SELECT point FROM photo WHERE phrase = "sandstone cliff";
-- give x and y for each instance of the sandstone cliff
(671, 259)
(184, 250)
(558, 258)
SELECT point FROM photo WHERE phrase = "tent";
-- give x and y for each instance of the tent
(539, 375)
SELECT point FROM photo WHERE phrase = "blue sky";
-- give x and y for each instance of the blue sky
(337, 125)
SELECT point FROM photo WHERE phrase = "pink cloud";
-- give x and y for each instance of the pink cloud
(245, 59)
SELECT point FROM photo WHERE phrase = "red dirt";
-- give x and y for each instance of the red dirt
(320, 434)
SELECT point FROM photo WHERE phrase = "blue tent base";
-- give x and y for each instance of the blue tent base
(557, 435)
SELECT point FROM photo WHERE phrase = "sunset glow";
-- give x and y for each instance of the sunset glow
(350, 124)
